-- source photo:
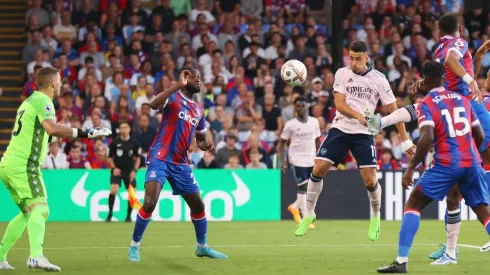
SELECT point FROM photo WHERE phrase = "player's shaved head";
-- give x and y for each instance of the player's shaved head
(448, 24)
(45, 77)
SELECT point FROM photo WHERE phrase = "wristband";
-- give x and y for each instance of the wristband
(467, 78)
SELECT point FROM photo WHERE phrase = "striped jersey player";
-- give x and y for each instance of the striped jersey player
(356, 87)
(167, 160)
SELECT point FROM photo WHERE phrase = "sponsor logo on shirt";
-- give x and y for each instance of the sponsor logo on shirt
(188, 118)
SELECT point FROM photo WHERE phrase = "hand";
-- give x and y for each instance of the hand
(285, 167)
(407, 179)
(132, 175)
(98, 132)
(475, 92)
(206, 146)
(485, 47)
(361, 119)
(183, 79)
(408, 147)
(117, 172)
(416, 87)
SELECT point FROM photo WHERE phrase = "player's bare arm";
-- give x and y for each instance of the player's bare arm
(452, 62)
(403, 132)
(477, 59)
(346, 110)
(423, 147)
(159, 101)
(478, 135)
(61, 131)
(280, 152)
(203, 143)
(318, 142)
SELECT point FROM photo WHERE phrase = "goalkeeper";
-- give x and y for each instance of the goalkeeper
(20, 167)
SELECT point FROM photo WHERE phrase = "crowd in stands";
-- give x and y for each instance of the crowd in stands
(115, 56)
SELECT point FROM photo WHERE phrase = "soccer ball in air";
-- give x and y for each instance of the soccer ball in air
(293, 72)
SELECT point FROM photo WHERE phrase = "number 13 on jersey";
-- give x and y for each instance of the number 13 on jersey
(19, 124)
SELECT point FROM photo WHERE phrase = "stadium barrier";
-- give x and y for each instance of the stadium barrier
(81, 195)
(344, 197)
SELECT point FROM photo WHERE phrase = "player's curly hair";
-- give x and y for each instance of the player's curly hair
(448, 23)
(433, 70)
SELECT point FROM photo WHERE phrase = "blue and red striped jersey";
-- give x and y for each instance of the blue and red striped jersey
(452, 117)
(181, 117)
(458, 45)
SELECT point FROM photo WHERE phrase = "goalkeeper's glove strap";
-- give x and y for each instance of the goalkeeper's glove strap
(80, 133)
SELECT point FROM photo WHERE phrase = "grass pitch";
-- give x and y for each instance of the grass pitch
(334, 247)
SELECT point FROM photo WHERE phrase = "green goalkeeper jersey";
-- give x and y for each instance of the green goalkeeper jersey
(29, 141)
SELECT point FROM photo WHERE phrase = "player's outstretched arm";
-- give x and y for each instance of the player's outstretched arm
(58, 130)
(478, 58)
(452, 62)
(160, 100)
(478, 135)
(425, 143)
(281, 147)
(203, 143)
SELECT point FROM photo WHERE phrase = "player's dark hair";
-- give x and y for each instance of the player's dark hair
(448, 23)
(45, 76)
(433, 70)
(358, 47)
(300, 99)
(187, 68)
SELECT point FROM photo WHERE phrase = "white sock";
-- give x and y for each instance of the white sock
(301, 203)
(133, 243)
(375, 200)
(452, 232)
(401, 260)
(313, 191)
(404, 115)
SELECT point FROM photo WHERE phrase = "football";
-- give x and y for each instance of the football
(293, 72)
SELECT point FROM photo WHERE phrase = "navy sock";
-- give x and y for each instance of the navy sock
(201, 227)
(142, 220)
(410, 226)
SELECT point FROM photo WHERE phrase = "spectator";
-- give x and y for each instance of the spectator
(247, 114)
(55, 158)
(208, 162)
(144, 134)
(254, 144)
(167, 13)
(135, 9)
(101, 159)
(40, 12)
(255, 162)
(65, 30)
(76, 160)
(233, 163)
(223, 155)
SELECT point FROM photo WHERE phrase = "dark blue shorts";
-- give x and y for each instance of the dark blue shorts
(337, 144)
(436, 182)
(302, 174)
(484, 118)
(180, 177)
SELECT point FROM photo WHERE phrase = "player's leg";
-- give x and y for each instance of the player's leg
(298, 207)
(183, 183)
(332, 151)
(115, 185)
(156, 175)
(364, 151)
(409, 227)
(16, 226)
(127, 182)
(402, 115)
(433, 185)
(486, 247)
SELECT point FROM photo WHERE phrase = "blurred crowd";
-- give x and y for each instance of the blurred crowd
(115, 56)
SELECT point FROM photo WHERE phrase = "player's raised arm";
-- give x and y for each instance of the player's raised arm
(452, 62)
(477, 59)
(160, 100)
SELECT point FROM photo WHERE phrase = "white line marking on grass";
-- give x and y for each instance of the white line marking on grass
(469, 246)
(232, 246)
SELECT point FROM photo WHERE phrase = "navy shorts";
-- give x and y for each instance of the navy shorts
(436, 182)
(302, 174)
(337, 144)
(180, 177)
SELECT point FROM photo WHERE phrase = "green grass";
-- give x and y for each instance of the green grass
(335, 247)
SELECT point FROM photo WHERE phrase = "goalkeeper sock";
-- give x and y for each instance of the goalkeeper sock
(201, 227)
(14, 231)
(142, 220)
(36, 228)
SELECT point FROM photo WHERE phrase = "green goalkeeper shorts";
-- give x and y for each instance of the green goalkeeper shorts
(23, 183)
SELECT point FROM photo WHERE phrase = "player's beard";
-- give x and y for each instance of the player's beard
(192, 89)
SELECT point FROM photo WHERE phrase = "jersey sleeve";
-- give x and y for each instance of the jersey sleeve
(339, 83)
(385, 93)
(201, 126)
(170, 99)
(458, 46)
(424, 116)
(44, 109)
(286, 132)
